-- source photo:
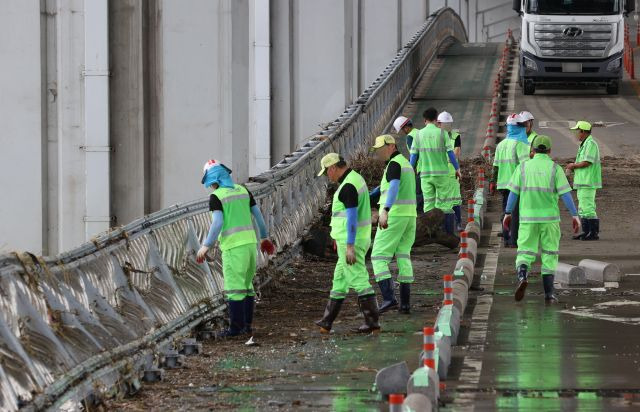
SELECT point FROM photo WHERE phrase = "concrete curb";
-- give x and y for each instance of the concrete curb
(570, 275)
(598, 271)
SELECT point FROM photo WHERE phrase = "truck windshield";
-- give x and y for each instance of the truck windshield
(589, 7)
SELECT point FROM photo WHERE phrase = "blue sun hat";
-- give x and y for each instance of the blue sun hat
(215, 172)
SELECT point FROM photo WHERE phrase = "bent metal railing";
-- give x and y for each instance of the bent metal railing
(89, 320)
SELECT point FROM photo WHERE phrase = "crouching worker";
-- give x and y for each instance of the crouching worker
(231, 207)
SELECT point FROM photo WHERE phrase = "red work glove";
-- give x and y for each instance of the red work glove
(506, 222)
(268, 247)
(492, 188)
(334, 246)
(576, 224)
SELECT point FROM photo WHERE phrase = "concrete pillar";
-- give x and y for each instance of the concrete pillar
(21, 139)
(127, 106)
(413, 16)
(70, 131)
(282, 111)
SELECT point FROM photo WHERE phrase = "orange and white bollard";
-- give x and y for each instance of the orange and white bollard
(470, 210)
(463, 243)
(448, 290)
(395, 402)
(429, 344)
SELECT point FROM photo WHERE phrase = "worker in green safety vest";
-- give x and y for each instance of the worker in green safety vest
(351, 230)
(510, 152)
(396, 224)
(232, 207)
(431, 153)
(445, 121)
(404, 125)
(539, 183)
(528, 124)
(587, 179)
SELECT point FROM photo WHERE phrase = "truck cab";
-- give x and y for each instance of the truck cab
(571, 42)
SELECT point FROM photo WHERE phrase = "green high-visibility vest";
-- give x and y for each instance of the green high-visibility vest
(509, 154)
(589, 177)
(539, 182)
(531, 136)
(405, 204)
(339, 210)
(431, 146)
(454, 136)
(413, 133)
(237, 226)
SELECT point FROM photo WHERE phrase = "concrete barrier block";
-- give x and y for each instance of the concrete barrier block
(598, 271)
(417, 402)
(393, 379)
(473, 230)
(443, 347)
(466, 266)
(570, 275)
(425, 381)
(472, 249)
(448, 322)
(460, 294)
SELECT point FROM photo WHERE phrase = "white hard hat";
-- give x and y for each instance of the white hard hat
(400, 122)
(515, 118)
(526, 115)
(210, 163)
(445, 117)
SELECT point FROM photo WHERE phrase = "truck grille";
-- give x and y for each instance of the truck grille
(574, 40)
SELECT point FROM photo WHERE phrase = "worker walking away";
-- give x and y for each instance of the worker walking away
(396, 224)
(510, 152)
(351, 230)
(404, 125)
(431, 153)
(528, 124)
(587, 179)
(539, 183)
(445, 121)
(232, 207)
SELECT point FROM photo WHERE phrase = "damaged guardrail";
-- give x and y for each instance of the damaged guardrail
(97, 319)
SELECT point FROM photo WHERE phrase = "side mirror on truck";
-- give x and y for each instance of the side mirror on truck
(517, 6)
(629, 6)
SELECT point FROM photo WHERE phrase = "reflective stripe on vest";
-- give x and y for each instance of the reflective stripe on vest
(538, 192)
(237, 226)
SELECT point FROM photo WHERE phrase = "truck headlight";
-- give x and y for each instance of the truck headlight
(613, 65)
(530, 64)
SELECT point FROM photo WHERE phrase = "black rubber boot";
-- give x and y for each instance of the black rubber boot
(388, 299)
(522, 283)
(236, 320)
(405, 298)
(330, 314)
(585, 229)
(369, 308)
(249, 304)
(547, 282)
(594, 230)
(458, 214)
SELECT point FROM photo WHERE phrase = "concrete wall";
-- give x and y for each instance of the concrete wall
(182, 90)
(21, 163)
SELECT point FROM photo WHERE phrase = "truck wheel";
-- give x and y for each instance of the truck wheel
(529, 87)
(612, 88)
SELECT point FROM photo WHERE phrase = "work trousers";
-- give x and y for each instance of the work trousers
(587, 203)
(396, 240)
(435, 191)
(238, 271)
(539, 236)
(354, 276)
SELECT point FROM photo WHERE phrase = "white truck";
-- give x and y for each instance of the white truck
(571, 42)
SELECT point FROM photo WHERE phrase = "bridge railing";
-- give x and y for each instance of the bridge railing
(75, 324)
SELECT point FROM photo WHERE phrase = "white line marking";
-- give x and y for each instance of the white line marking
(472, 368)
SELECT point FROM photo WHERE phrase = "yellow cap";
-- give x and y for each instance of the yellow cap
(541, 142)
(383, 140)
(582, 125)
(328, 160)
